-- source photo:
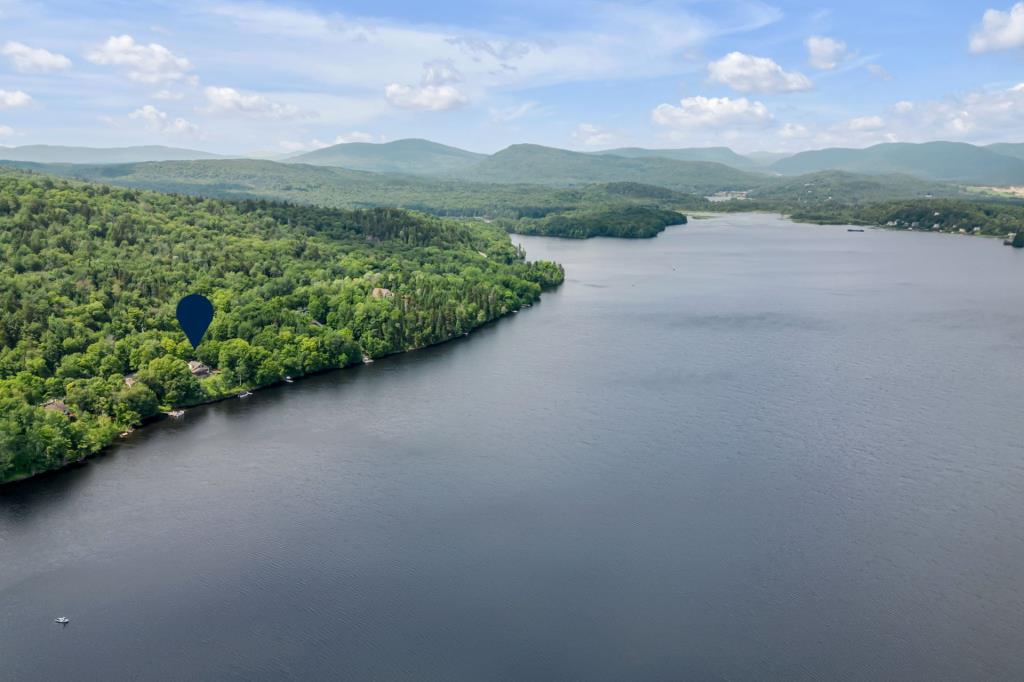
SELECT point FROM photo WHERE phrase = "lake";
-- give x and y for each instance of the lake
(745, 449)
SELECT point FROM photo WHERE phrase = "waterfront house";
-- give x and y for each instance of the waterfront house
(55, 405)
(198, 369)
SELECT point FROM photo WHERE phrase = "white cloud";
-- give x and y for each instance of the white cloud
(441, 72)
(6, 131)
(999, 30)
(430, 97)
(697, 112)
(354, 136)
(158, 121)
(611, 41)
(591, 135)
(435, 92)
(9, 99)
(168, 95)
(746, 73)
(151, 63)
(879, 71)
(27, 59)
(795, 131)
(825, 53)
(512, 113)
(863, 123)
(230, 101)
(903, 107)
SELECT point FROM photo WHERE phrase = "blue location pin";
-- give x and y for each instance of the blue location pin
(195, 313)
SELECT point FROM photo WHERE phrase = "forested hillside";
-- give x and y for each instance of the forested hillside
(942, 161)
(90, 275)
(418, 157)
(530, 163)
(343, 188)
(631, 222)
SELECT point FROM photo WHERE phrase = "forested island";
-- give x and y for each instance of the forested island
(632, 222)
(90, 275)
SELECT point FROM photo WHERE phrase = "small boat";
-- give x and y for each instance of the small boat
(176, 414)
(367, 359)
(853, 230)
(63, 620)
(245, 394)
(289, 380)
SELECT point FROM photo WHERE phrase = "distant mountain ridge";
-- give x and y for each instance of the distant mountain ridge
(412, 156)
(536, 164)
(722, 155)
(942, 161)
(45, 153)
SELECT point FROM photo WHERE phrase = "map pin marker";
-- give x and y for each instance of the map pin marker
(195, 313)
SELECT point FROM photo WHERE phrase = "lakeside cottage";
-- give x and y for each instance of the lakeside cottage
(54, 405)
(198, 369)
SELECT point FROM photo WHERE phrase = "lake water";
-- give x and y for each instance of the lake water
(745, 449)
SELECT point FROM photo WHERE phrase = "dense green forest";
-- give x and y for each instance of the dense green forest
(90, 275)
(342, 188)
(626, 221)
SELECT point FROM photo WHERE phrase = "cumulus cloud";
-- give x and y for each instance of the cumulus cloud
(224, 100)
(591, 135)
(27, 59)
(436, 91)
(9, 99)
(903, 107)
(866, 123)
(151, 63)
(746, 73)
(6, 131)
(825, 53)
(158, 121)
(344, 138)
(879, 72)
(698, 112)
(429, 97)
(999, 30)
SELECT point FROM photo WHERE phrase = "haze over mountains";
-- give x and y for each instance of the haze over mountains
(691, 170)
(945, 161)
(418, 157)
(45, 153)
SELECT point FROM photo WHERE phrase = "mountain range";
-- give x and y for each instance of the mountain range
(694, 170)
(46, 153)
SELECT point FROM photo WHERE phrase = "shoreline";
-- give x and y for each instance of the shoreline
(164, 415)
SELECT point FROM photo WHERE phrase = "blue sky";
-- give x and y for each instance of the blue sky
(274, 77)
